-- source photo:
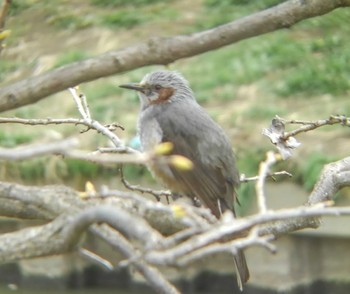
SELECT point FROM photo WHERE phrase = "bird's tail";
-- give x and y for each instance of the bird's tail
(241, 269)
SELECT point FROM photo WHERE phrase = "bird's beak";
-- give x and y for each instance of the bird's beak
(133, 86)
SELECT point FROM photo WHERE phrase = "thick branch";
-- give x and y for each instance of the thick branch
(44, 203)
(152, 274)
(35, 150)
(219, 232)
(47, 202)
(163, 50)
(334, 176)
(64, 233)
(34, 241)
(131, 225)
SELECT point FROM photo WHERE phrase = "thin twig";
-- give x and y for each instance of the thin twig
(181, 236)
(47, 121)
(93, 123)
(312, 125)
(230, 247)
(154, 277)
(245, 179)
(123, 149)
(220, 232)
(85, 105)
(96, 259)
(79, 104)
(3, 13)
(57, 121)
(264, 170)
(155, 193)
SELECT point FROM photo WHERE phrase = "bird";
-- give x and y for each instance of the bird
(170, 113)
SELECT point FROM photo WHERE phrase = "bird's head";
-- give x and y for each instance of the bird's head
(161, 87)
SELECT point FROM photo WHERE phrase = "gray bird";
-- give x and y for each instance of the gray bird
(170, 113)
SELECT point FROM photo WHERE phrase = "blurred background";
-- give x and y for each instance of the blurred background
(298, 73)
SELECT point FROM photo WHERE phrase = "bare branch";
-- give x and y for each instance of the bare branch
(200, 239)
(94, 258)
(91, 124)
(35, 241)
(229, 247)
(132, 226)
(223, 230)
(47, 202)
(107, 159)
(69, 230)
(285, 141)
(3, 14)
(312, 125)
(35, 150)
(334, 176)
(156, 194)
(83, 109)
(245, 179)
(151, 274)
(41, 203)
(264, 170)
(80, 101)
(52, 121)
(63, 234)
(163, 50)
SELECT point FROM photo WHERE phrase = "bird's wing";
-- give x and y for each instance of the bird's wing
(197, 137)
(214, 177)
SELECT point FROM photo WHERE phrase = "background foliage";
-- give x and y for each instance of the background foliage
(297, 73)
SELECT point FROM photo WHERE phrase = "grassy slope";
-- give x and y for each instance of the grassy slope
(300, 73)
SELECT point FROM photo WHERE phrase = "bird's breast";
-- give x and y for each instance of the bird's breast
(150, 133)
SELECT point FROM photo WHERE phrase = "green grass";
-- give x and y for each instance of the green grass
(6, 67)
(118, 3)
(10, 139)
(17, 6)
(53, 169)
(306, 61)
(124, 18)
(311, 169)
(107, 101)
(70, 56)
(263, 112)
(32, 170)
(222, 11)
(234, 3)
(248, 163)
(102, 90)
(69, 21)
(132, 16)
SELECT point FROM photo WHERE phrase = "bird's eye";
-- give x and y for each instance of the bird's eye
(157, 87)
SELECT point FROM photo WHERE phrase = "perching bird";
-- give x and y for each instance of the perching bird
(170, 113)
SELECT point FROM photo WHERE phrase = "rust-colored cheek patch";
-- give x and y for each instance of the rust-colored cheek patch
(164, 95)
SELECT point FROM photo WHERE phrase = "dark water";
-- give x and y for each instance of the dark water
(6, 290)
(315, 288)
(206, 283)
